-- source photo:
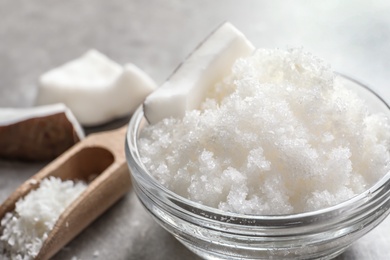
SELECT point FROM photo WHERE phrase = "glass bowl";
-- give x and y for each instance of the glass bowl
(215, 234)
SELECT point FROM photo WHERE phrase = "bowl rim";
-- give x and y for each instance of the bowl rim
(356, 201)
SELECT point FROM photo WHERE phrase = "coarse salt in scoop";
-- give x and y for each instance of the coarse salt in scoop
(24, 230)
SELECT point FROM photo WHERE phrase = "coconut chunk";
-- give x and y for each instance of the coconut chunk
(95, 88)
(38, 133)
(131, 88)
(189, 84)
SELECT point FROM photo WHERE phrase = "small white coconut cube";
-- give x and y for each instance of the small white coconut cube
(95, 88)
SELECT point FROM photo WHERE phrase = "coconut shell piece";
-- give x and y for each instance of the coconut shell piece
(38, 133)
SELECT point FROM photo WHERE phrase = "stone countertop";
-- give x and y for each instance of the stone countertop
(35, 36)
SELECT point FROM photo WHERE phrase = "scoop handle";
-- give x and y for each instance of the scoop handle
(100, 194)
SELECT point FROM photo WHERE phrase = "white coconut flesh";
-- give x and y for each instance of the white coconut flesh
(207, 65)
(95, 88)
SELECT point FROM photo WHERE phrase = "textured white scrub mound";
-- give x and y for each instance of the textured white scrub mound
(280, 135)
(95, 88)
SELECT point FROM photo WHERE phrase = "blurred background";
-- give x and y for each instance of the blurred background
(35, 36)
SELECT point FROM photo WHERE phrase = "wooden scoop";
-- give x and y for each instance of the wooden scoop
(100, 161)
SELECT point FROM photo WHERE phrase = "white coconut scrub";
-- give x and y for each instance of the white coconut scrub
(23, 231)
(279, 135)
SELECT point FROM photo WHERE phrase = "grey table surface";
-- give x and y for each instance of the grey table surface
(35, 36)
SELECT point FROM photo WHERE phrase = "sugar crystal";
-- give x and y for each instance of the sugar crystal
(279, 135)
